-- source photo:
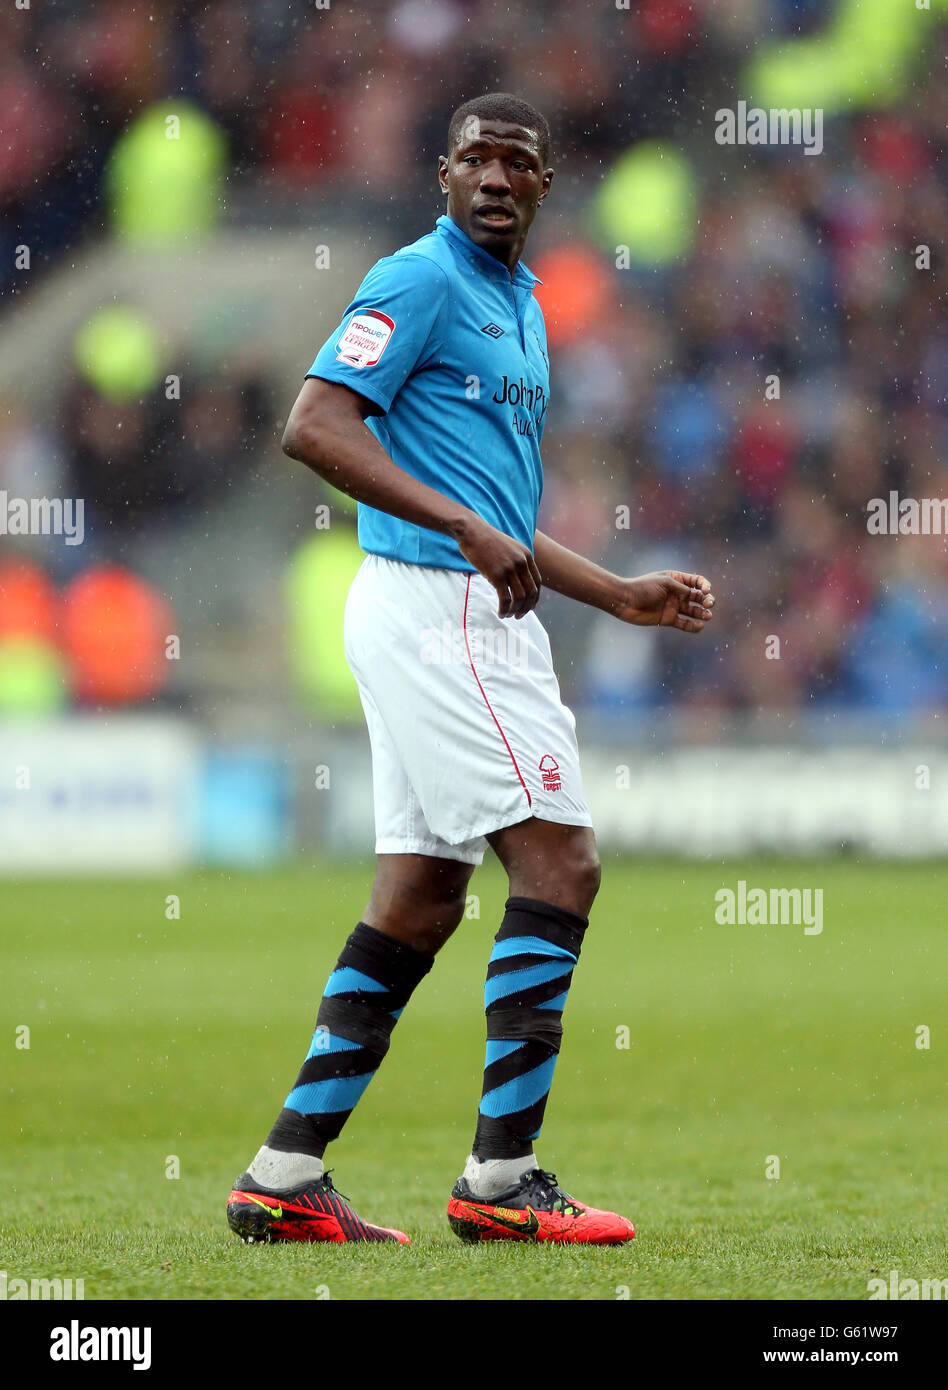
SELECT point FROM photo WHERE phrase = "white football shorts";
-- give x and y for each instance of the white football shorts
(467, 727)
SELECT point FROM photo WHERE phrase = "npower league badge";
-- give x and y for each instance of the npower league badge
(365, 338)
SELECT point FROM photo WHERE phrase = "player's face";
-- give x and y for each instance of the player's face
(495, 182)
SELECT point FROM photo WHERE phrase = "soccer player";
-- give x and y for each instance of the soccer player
(427, 405)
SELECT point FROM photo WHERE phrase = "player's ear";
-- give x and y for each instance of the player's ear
(443, 172)
(545, 182)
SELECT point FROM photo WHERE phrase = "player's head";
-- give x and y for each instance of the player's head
(495, 172)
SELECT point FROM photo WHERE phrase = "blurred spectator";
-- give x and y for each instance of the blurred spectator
(774, 267)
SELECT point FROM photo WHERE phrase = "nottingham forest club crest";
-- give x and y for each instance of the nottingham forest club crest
(550, 773)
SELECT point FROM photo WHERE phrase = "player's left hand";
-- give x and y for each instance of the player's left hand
(668, 598)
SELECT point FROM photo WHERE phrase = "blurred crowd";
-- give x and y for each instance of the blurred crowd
(732, 410)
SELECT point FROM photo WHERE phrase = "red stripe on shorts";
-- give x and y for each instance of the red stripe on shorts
(493, 716)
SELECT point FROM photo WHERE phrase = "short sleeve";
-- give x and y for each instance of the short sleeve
(387, 329)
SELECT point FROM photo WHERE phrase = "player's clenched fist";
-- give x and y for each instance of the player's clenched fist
(505, 563)
(668, 598)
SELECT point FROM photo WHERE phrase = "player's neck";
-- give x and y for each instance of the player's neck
(509, 257)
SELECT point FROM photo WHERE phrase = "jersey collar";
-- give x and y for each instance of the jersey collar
(484, 260)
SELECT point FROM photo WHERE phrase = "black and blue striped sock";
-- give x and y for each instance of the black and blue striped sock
(528, 979)
(373, 980)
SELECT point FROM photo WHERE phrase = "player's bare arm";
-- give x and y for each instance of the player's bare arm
(667, 598)
(326, 431)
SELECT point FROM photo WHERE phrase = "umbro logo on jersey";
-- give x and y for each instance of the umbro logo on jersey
(493, 330)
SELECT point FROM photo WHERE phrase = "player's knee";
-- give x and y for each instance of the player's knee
(442, 898)
(573, 881)
(585, 876)
(453, 903)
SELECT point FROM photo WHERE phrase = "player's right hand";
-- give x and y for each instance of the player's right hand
(505, 563)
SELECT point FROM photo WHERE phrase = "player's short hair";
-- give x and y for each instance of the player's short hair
(502, 106)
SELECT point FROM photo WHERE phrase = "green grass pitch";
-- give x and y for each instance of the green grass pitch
(152, 1037)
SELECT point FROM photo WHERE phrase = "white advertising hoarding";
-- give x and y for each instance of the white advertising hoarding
(110, 794)
(729, 800)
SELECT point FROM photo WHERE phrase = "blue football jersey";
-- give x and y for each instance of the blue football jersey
(452, 350)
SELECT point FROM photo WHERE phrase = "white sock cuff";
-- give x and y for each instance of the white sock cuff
(488, 1176)
(276, 1170)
